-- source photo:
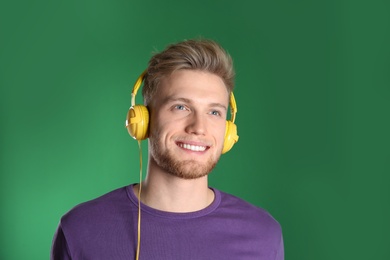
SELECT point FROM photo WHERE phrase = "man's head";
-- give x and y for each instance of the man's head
(187, 89)
(202, 55)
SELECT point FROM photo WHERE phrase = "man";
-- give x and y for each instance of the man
(186, 91)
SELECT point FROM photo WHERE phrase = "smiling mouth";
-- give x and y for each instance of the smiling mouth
(195, 148)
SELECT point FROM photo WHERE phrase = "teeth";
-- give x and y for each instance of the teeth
(195, 148)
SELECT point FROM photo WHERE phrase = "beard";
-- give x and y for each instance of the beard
(185, 169)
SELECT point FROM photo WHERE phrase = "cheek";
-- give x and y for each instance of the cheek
(161, 131)
(155, 125)
(220, 132)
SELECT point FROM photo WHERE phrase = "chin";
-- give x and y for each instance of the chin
(173, 164)
(190, 170)
(185, 169)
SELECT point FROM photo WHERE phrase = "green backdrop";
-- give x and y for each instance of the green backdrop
(312, 91)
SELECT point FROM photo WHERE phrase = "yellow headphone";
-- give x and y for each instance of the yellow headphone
(137, 119)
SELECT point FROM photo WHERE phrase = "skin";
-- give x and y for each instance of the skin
(187, 128)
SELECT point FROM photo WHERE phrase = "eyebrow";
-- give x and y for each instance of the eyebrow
(189, 101)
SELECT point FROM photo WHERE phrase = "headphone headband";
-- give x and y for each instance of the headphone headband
(233, 107)
(137, 85)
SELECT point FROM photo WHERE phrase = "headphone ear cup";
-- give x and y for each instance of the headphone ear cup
(231, 136)
(137, 122)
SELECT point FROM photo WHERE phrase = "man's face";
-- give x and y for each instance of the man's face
(187, 126)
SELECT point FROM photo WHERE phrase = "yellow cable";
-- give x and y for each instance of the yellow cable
(139, 201)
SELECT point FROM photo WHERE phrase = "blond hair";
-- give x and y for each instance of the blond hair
(203, 55)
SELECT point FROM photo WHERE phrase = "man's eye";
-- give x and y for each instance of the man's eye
(180, 107)
(215, 113)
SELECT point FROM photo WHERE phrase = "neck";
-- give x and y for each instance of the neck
(163, 191)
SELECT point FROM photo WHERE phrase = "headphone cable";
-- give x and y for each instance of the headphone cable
(139, 202)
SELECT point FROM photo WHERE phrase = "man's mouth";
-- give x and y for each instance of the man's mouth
(195, 148)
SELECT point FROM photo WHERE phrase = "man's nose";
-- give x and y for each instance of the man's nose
(196, 124)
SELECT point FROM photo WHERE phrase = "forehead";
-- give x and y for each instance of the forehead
(193, 84)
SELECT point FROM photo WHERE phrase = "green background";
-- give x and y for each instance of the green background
(312, 90)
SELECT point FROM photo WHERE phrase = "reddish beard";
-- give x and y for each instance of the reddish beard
(185, 169)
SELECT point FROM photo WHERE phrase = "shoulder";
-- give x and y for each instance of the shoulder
(97, 209)
(255, 226)
(252, 215)
(86, 228)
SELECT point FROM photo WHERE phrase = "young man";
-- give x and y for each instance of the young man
(186, 91)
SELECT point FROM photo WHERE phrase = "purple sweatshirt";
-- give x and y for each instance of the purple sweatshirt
(106, 228)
